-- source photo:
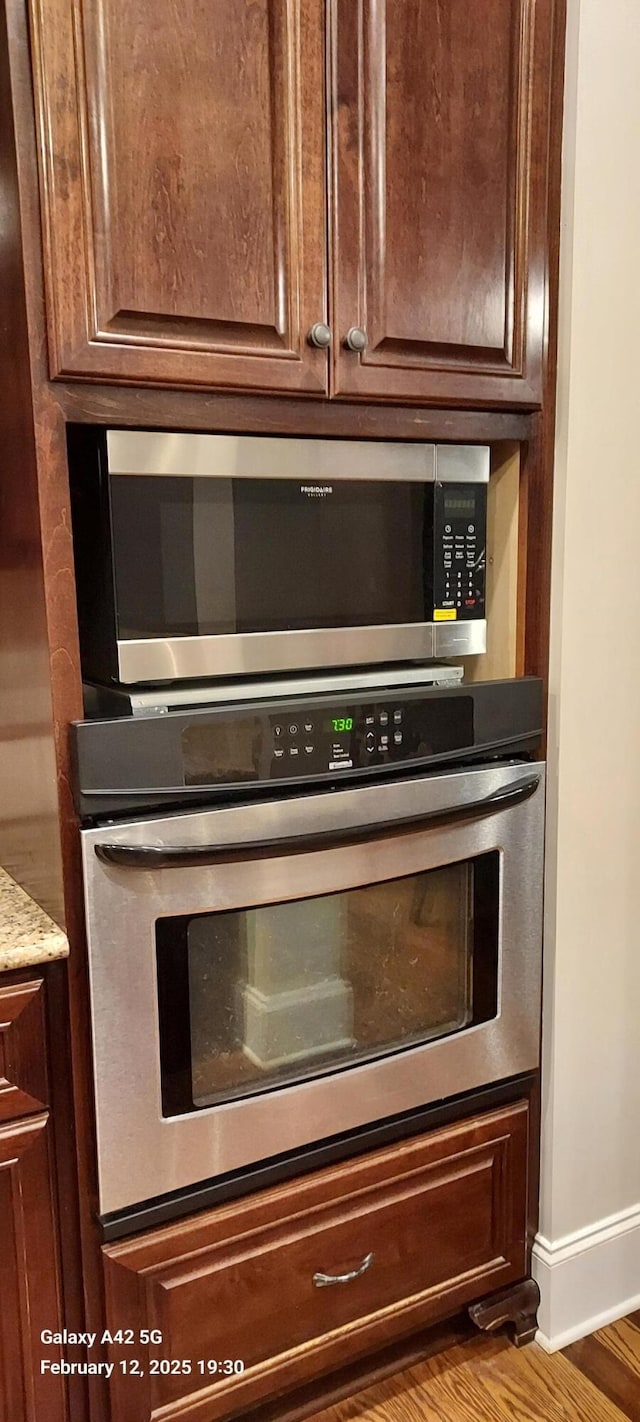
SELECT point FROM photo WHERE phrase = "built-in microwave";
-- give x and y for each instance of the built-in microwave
(203, 556)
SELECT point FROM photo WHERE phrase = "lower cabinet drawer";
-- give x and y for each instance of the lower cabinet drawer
(236, 1301)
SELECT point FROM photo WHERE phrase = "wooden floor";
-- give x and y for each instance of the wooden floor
(486, 1379)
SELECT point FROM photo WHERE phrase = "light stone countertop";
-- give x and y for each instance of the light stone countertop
(27, 935)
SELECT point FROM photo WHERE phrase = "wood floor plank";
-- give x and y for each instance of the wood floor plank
(611, 1359)
(600, 1365)
(623, 1340)
(532, 1386)
(482, 1381)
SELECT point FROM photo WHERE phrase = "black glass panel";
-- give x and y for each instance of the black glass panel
(214, 556)
(309, 740)
(258, 998)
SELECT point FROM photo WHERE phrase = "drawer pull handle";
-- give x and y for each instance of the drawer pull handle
(322, 1281)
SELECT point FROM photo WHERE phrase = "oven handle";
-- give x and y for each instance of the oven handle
(154, 856)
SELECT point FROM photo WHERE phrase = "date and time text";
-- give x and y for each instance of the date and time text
(133, 1365)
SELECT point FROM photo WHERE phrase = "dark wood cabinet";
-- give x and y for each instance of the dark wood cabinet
(183, 189)
(23, 1061)
(187, 221)
(439, 219)
(407, 1234)
(30, 1292)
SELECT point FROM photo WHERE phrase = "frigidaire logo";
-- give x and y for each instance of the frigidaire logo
(316, 491)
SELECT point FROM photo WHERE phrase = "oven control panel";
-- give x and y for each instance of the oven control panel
(186, 757)
(317, 740)
(356, 737)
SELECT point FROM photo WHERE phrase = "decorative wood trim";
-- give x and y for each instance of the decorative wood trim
(538, 457)
(517, 1306)
(143, 408)
(23, 1070)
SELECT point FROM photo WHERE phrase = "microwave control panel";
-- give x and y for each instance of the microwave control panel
(459, 564)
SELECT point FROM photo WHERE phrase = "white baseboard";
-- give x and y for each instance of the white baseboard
(587, 1279)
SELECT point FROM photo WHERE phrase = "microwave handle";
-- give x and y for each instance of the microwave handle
(154, 856)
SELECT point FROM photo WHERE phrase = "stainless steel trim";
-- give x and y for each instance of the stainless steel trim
(266, 456)
(172, 658)
(459, 639)
(314, 685)
(141, 1154)
(463, 463)
(322, 1281)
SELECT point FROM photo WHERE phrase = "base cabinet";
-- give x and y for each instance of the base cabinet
(30, 1293)
(253, 1299)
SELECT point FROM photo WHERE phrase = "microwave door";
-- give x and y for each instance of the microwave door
(222, 576)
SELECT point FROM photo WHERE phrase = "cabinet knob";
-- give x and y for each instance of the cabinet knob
(356, 339)
(320, 335)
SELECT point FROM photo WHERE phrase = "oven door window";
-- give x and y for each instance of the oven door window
(261, 997)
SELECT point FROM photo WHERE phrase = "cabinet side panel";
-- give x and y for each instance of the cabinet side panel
(29, 835)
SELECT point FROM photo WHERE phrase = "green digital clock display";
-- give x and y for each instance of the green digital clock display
(341, 723)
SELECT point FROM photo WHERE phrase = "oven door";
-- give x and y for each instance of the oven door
(270, 975)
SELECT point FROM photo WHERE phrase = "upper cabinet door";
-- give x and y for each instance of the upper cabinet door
(440, 148)
(182, 149)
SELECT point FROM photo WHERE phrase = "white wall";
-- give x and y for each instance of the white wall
(591, 1111)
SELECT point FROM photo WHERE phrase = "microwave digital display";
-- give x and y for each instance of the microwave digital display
(456, 503)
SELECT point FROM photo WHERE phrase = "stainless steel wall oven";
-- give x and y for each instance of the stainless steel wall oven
(292, 962)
